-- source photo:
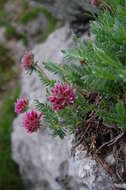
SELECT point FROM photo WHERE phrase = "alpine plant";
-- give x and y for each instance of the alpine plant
(102, 70)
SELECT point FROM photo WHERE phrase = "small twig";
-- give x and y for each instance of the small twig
(111, 142)
(117, 139)
(117, 172)
(104, 165)
(39, 69)
(82, 137)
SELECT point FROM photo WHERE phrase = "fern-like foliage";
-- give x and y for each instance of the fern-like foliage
(97, 65)
(46, 81)
(50, 119)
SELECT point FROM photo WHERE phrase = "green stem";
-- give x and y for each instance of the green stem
(39, 69)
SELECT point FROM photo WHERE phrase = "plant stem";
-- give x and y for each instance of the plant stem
(39, 69)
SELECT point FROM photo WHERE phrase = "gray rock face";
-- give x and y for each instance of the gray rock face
(92, 174)
(45, 162)
(66, 9)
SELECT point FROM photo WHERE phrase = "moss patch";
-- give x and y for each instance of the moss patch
(30, 15)
(33, 14)
(11, 33)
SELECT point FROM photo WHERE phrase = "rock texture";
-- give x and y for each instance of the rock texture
(30, 31)
(66, 9)
(45, 162)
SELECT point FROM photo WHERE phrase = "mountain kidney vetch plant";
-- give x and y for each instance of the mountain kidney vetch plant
(102, 70)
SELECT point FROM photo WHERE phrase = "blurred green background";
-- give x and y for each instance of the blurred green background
(15, 16)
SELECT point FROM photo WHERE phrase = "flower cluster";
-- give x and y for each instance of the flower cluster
(27, 61)
(31, 121)
(94, 2)
(62, 95)
(21, 105)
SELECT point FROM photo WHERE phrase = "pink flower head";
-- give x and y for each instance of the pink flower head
(27, 61)
(31, 121)
(62, 95)
(21, 105)
(94, 2)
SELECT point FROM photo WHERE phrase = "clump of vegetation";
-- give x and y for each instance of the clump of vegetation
(30, 15)
(10, 30)
(6, 66)
(11, 33)
(9, 173)
(91, 99)
(3, 17)
(52, 24)
(26, 15)
(33, 14)
(2, 3)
